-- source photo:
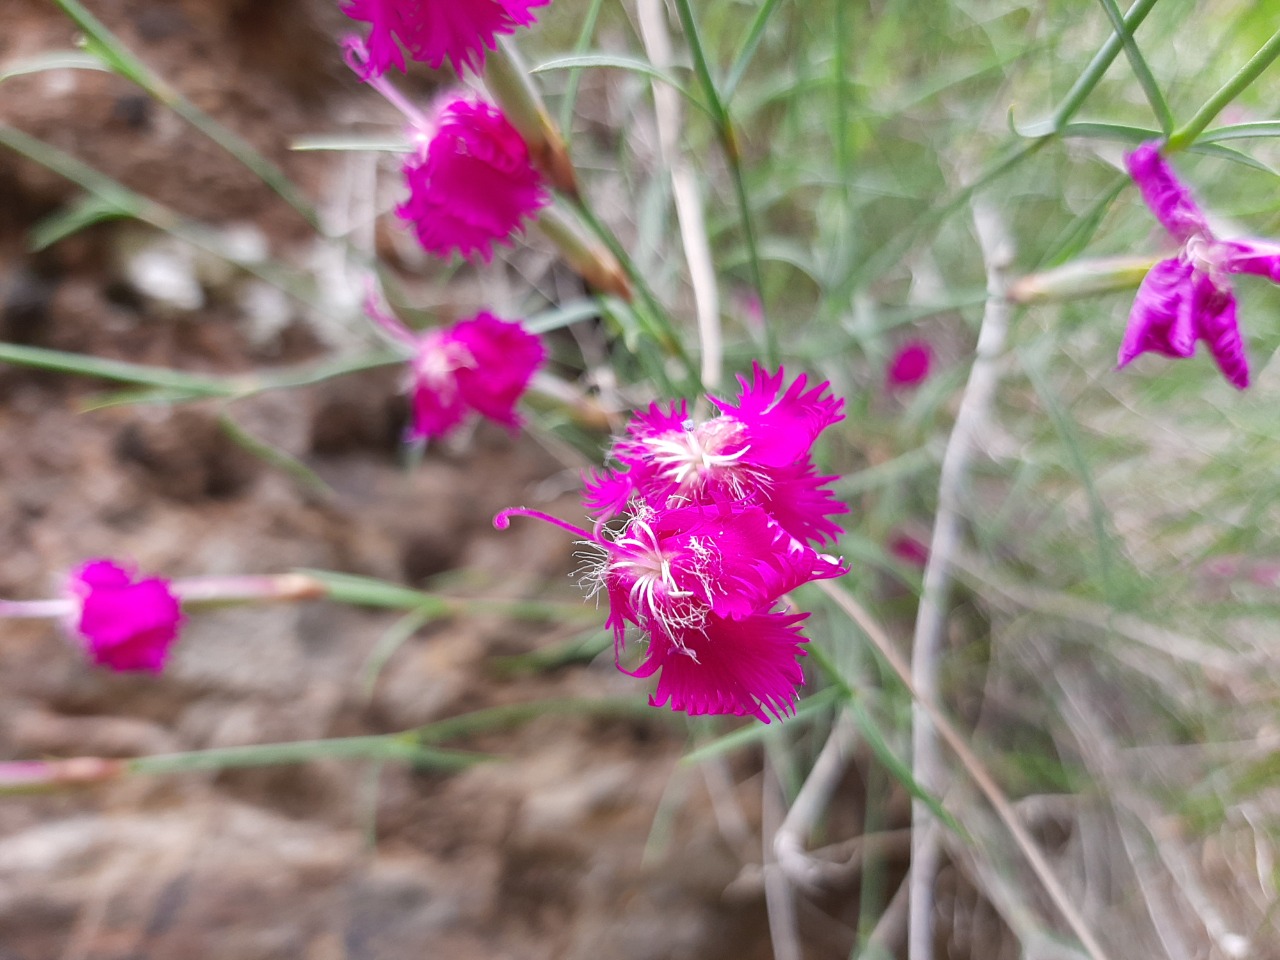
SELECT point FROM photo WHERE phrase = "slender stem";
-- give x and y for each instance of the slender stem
(285, 587)
(685, 193)
(35, 609)
(977, 771)
(570, 99)
(664, 333)
(1103, 59)
(394, 746)
(931, 620)
(1140, 68)
(729, 143)
(1250, 72)
(754, 35)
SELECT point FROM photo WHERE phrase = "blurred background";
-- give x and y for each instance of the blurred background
(1109, 634)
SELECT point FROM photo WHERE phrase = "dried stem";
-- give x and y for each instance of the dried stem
(684, 187)
(931, 619)
(973, 766)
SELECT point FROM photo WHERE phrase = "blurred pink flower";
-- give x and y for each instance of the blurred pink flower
(437, 30)
(702, 582)
(910, 366)
(472, 182)
(757, 450)
(909, 550)
(482, 365)
(1188, 297)
(125, 622)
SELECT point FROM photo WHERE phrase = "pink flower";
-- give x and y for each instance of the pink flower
(437, 30)
(126, 623)
(1189, 297)
(472, 184)
(482, 365)
(757, 450)
(910, 366)
(909, 550)
(703, 582)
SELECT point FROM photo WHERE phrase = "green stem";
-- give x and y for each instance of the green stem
(729, 143)
(1140, 68)
(1103, 59)
(393, 746)
(754, 35)
(663, 332)
(575, 73)
(1250, 72)
(105, 44)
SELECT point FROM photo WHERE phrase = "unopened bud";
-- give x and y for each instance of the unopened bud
(1081, 278)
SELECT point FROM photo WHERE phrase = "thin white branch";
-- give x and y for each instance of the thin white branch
(791, 838)
(684, 188)
(973, 766)
(931, 620)
(779, 898)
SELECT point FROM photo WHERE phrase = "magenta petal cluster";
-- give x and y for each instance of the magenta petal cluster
(909, 366)
(472, 184)
(437, 30)
(1188, 297)
(757, 450)
(126, 622)
(482, 365)
(702, 582)
(718, 523)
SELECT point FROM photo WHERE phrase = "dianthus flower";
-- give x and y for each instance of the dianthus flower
(472, 181)
(126, 622)
(703, 582)
(1189, 297)
(473, 184)
(482, 365)
(437, 30)
(909, 366)
(757, 450)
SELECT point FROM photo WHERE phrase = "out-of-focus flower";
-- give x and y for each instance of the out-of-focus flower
(703, 582)
(126, 622)
(482, 365)
(909, 366)
(909, 550)
(433, 31)
(1189, 297)
(757, 450)
(472, 183)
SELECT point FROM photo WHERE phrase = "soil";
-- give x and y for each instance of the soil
(554, 851)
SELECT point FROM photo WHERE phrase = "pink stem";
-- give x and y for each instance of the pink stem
(503, 520)
(35, 609)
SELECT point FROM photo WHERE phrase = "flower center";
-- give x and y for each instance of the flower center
(701, 452)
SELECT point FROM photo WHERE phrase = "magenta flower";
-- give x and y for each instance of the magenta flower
(703, 581)
(125, 622)
(472, 184)
(437, 30)
(910, 366)
(1189, 297)
(909, 550)
(757, 450)
(482, 365)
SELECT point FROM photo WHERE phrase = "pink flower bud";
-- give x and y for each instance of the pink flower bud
(472, 184)
(910, 366)
(126, 623)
